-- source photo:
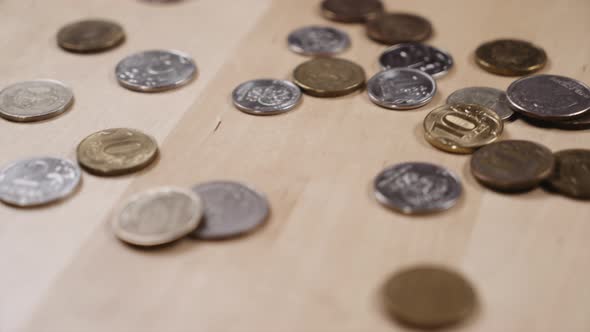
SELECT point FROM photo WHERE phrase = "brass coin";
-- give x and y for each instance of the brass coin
(510, 57)
(512, 165)
(116, 151)
(395, 28)
(572, 173)
(462, 128)
(329, 77)
(429, 297)
(90, 36)
(350, 11)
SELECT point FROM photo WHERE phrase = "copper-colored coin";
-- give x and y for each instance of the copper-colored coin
(395, 28)
(572, 173)
(90, 36)
(510, 57)
(329, 77)
(349, 11)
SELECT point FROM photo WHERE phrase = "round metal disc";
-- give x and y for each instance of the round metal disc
(35, 100)
(266, 96)
(318, 40)
(401, 88)
(491, 98)
(426, 58)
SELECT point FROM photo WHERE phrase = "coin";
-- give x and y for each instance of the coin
(266, 96)
(572, 173)
(155, 70)
(417, 188)
(231, 210)
(349, 11)
(90, 36)
(35, 100)
(158, 216)
(549, 97)
(428, 296)
(116, 151)
(318, 40)
(510, 57)
(395, 28)
(329, 77)
(38, 181)
(428, 59)
(401, 88)
(578, 123)
(462, 128)
(491, 98)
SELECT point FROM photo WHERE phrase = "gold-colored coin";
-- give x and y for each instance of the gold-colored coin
(90, 36)
(116, 151)
(462, 128)
(395, 28)
(329, 77)
(510, 57)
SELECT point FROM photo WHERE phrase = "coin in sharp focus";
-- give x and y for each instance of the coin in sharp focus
(318, 40)
(158, 216)
(350, 11)
(231, 210)
(156, 70)
(90, 36)
(395, 28)
(38, 181)
(35, 100)
(116, 151)
(401, 88)
(417, 188)
(510, 57)
(426, 58)
(428, 296)
(329, 77)
(572, 173)
(491, 98)
(266, 96)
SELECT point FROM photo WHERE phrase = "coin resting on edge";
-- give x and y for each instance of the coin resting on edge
(428, 59)
(35, 100)
(266, 96)
(318, 40)
(510, 57)
(401, 88)
(329, 77)
(90, 36)
(572, 173)
(350, 11)
(395, 28)
(491, 98)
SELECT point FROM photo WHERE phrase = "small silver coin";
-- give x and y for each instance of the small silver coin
(426, 58)
(231, 210)
(401, 88)
(266, 96)
(318, 40)
(38, 181)
(417, 188)
(549, 97)
(35, 100)
(156, 70)
(491, 98)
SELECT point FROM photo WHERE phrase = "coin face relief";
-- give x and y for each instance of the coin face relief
(318, 40)
(349, 11)
(90, 36)
(428, 59)
(572, 173)
(329, 77)
(35, 100)
(510, 57)
(491, 98)
(395, 28)
(266, 96)
(401, 88)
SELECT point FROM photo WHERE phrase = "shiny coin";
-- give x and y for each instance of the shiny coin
(266, 96)
(231, 210)
(90, 36)
(401, 88)
(510, 57)
(35, 100)
(157, 70)
(38, 181)
(428, 59)
(318, 40)
(417, 188)
(329, 77)
(572, 173)
(398, 28)
(351, 10)
(116, 151)
(491, 98)
(462, 128)
(158, 216)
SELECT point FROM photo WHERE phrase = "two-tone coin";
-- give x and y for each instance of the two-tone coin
(426, 58)
(350, 11)
(329, 77)
(90, 36)
(572, 173)
(266, 96)
(510, 57)
(401, 88)
(395, 28)
(491, 98)
(35, 100)
(318, 40)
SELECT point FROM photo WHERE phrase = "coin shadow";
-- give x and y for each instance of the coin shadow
(43, 121)
(137, 173)
(179, 246)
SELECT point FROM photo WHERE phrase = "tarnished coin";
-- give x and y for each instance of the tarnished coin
(426, 58)
(349, 11)
(395, 28)
(231, 210)
(429, 297)
(329, 77)
(462, 128)
(116, 151)
(510, 57)
(578, 123)
(318, 40)
(417, 188)
(572, 173)
(158, 216)
(401, 88)
(266, 96)
(35, 100)
(156, 70)
(38, 181)
(90, 36)
(491, 98)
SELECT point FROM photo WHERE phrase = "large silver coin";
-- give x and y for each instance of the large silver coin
(549, 97)
(158, 216)
(38, 181)
(156, 70)
(35, 100)
(428, 59)
(491, 98)
(266, 96)
(401, 88)
(417, 188)
(231, 209)
(318, 40)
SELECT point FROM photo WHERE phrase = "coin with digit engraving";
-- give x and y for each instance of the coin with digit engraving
(401, 88)
(90, 36)
(491, 98)
(350, 11)
(266, 96)
(426, 58)
(35, 100)
(38, 181)
(572, 173)
(329, 77)
(510, 57)
(395, 28)
(318, 40)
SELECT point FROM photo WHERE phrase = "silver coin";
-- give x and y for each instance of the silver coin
(491, 98)
(266, 96)
(417, 188)
(401, 88)
(231, 210)
(549, 97)
(35, 100)
(38, 181)
(158, 216)
(426, 58)
(318, 40)
(156, 70)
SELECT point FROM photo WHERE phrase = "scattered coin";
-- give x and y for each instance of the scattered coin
(329, 77)
(351, 10)
(35, 100)
(572, 173)
(401, 88)
(428, 59)
(266, 96)
(491, 98)
(90, 36)
(318, 40)
(510, 57)
(395, 28)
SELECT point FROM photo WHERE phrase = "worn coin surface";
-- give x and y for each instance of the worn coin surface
(491, 98)
(266, 96)
(572, 173)
(158, 216)
(155, 70)
(90, 36)
(318, 40)
(349, 11)
(395, 28)
(35, 100)
(231, 210)
(38, 181)
(401, 88)
(329, 77)
(426, 58)
(417, 188)
(510, 57)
